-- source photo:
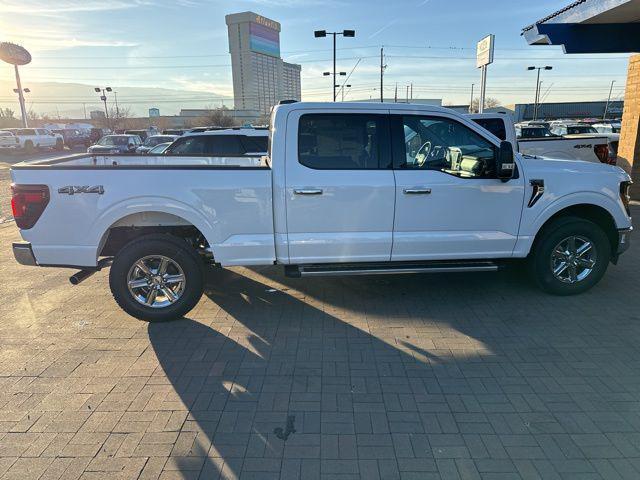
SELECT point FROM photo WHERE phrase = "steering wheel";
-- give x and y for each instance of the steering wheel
(423, 153)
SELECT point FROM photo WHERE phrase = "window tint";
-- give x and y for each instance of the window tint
(254, 144)
(188, 146)
(225, 145)
(342, 141)
(494, 125)
(433, 143)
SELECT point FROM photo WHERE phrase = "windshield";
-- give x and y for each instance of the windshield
(110, 141)
(153, 141)
(579, 129)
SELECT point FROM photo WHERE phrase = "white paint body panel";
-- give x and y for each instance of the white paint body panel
(250, 216)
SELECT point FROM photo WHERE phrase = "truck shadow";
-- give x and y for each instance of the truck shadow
(272, 363)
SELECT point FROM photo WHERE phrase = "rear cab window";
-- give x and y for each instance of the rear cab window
(343, 141)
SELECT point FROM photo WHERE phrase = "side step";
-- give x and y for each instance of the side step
(388, 268)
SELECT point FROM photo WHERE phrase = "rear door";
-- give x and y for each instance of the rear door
(340, 186)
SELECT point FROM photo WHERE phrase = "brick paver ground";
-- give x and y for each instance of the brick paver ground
(416, 377)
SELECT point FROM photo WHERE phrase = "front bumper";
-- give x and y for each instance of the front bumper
(24, 254)
(624, 240)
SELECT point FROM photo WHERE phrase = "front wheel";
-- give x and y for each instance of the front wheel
(571, 256)
(157, 278)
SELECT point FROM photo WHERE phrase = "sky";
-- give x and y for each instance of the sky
(174, 53)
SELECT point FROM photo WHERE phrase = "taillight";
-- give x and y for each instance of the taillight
(27, 203)
(602, 152)
(625, 195)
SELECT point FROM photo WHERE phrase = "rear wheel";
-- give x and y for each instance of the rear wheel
(28, 146)
(157, 278)
(59, 145)
(570, 257)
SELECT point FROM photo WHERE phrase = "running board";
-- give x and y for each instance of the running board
(389, 268)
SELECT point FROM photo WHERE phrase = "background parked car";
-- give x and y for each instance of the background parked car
(116, 144)
(32, 138)
(608, 127)
(173, 131)
(159, 149)
(533, 131)
(222, 143)
(8, 141)
(143, 134)
(96, 134)
(154, 140)
(74, 138)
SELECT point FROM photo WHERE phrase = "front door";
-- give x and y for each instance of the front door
(449, 203)
(339, 187)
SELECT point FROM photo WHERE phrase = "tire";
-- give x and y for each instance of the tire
(148, 249)
(28, 146)
(59, 145)
(589, 266)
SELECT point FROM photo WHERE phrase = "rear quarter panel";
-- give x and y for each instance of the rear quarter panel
(231, 207)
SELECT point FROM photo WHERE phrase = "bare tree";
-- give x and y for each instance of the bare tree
(8, 118)
(489, 102)
(216, 117)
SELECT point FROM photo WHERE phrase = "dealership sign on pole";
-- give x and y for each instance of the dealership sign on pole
(484, 57)
(16, 55)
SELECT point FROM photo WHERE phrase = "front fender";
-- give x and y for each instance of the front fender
(614, 208)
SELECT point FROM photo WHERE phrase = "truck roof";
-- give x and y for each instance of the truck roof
(360, 106)
(245, 132)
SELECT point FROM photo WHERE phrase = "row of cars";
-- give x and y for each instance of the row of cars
(206, 141)
(30, 139)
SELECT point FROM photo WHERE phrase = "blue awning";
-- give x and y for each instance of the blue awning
(590, 26)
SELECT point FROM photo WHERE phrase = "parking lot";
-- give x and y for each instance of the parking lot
(414, 377)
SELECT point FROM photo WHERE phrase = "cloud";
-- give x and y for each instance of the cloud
(61, 7)
(388, 25)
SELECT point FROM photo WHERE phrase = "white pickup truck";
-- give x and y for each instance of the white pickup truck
(592, 147)
(345, 189)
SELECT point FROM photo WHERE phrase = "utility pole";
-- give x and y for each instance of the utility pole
(115, 94)
(23, 108)
(606, 108)
(395, 95)
(471, 101)
(84, 107)
(407, 93)
(382, 74)
(411, 91)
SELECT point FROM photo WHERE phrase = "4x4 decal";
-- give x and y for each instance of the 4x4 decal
(72, 190)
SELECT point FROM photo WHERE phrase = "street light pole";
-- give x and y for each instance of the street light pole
(471, 101)
(103, 97)
(537, 97)
(606, 107)
(324, 33)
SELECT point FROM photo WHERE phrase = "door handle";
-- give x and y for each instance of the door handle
(417, 191)
(307, 191)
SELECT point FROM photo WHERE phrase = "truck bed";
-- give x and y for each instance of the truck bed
(228, 199)
(86, 160)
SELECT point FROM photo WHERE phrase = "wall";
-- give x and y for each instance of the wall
(629, 148)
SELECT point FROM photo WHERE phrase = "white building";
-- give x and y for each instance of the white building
(260, 77)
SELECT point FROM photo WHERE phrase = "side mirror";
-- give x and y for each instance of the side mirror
(505, 164)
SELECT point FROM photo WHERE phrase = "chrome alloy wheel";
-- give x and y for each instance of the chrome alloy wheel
(573, 259)
(156, 281)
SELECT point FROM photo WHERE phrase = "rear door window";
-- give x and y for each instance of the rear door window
(343, 141)
(225, 145)
(188, 146)
(254, 144)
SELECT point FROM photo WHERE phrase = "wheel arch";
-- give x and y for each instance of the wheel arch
(588, 211)
(119, 229)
